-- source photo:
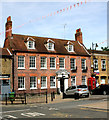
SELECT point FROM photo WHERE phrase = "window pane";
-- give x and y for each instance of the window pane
(32, 82)
(83, 80)
(32, 61)
(73, 80)
(43, 81)
(61, 62)
(72, 63)
(21, 82)
(95, 62)
(52, 81)
(20, 61)
(52, 62)
(83, 64)
(43, 62)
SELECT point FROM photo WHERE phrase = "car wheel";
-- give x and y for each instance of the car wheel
(104, 93)
(91, 92)
(87, 96)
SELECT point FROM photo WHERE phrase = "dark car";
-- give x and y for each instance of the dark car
(100, 90)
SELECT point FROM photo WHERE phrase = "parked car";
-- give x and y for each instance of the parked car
(79, 90)
(100, 90)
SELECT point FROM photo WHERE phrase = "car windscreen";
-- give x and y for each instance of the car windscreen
(82, 86)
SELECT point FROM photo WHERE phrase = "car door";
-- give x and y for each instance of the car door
(72, 90)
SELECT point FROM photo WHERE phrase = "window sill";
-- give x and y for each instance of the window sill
(53, 87)
(33, 88)
(21, 68)
(33, 68)
(52, 68)
(21, 89)
(43, 87)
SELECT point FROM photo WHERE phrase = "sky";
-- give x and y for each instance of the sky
(91, 17)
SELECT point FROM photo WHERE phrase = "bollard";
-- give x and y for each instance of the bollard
(6, 98)
(46, 97)
(51, 96)
(25, 98)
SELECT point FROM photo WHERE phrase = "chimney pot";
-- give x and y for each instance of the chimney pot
(78, 35)
(9, 18)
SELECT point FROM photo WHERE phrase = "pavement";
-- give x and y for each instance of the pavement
(97, 105)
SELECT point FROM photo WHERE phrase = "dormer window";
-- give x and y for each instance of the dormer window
(50, 46)
(70, 48)
(30, 43)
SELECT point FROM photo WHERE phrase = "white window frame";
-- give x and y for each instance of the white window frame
(50, 47)
(23, 63)
(45, 63)
(53, 63)
(73, 78)
(84, 64)
(102, 64)
(85, 80)
(46, 82)
(33, 44)
(72, 63)
(53, 81)
(24, 83)
(35, 82)
(95, 63)
(63, 64)
(72, 49)
(35, 62)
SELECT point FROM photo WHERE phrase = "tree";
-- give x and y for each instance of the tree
(105, 48)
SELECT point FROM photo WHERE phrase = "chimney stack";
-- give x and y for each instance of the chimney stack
(78, 36)
(8, 27)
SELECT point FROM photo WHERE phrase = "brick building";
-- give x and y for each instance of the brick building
(40, 62)
(100, 63)
(5, 71)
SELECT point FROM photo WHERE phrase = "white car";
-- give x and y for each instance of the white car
(78, 91)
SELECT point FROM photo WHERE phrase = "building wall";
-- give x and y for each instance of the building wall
(38, 72)
(6, 67)
(102, 73)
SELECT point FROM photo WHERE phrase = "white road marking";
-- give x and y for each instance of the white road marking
(14, 111)
(10, 116)
(53, 109)
(32, 114)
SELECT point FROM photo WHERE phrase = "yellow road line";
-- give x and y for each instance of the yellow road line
(94, 109)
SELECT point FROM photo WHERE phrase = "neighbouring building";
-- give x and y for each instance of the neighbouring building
(40, 62)
(100, 64)
(5, 71)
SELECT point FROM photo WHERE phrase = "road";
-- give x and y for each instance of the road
(81, 108)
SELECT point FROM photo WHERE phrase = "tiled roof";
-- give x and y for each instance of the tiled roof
(4, 52)
(17, 43)
(98, 52)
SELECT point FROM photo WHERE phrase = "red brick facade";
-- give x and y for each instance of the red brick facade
(38, 72)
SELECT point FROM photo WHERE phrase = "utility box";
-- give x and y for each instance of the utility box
(91, 83)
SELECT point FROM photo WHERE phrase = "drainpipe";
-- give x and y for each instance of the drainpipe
(13, 71)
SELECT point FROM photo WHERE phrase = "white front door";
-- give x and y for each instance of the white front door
(65, 84)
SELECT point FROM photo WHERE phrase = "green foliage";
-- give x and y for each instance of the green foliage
(105, 48)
